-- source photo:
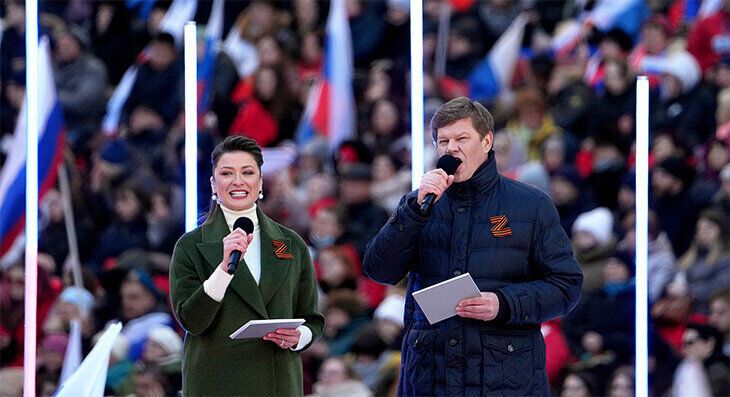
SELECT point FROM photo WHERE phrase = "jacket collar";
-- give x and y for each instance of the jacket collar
(479, 185)
(274, 270)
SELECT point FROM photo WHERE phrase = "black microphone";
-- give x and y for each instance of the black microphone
(449, 164)
(246, 225)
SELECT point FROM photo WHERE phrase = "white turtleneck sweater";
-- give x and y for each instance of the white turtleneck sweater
(216, 285)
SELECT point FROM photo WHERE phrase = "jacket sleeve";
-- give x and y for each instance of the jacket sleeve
(557, 288)
(306, 306)
(193, 308)
(389, 253)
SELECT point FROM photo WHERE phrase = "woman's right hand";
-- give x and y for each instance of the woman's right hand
(236, 240)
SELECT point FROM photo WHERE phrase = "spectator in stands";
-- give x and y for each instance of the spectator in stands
(385, 126)
(265, 108)
(159, 80)
(532, 124)
(141, 310)
(336, 270)
(622, 383)
(115, 39)
(684, 105)
(391, 180)
(127, 230)
(706, 39)
(51, 352)
(336, 378)
(12, 296)
(670, 183)
(703, 371)
(615, 107)
(706, 264)
(568, 193)
(579, 384)
(603, 322)
(81, 82)
(656, 34)
(364, 217)
(12, 43)
(74, 303)
(163, 351)
(593, 243)
(345, 315)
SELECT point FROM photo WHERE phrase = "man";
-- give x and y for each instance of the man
(507, 235)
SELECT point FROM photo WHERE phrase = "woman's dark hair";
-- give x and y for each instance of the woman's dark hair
(233, 143)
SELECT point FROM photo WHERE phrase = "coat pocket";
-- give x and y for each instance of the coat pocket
(420, 365)
(508, 362)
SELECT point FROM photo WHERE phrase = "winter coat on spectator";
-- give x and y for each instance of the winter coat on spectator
(81, 87)
(704, 279)
(661, 265)
(709, 39)
(533, 269)
(159, 90)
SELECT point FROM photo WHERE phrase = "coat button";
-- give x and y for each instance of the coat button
(527, 317)
(456, 272)
(510, 348)
(400, 227)
(461, 210)
(453, 341)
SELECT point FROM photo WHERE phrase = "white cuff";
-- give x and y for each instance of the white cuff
(216, 285)
(304, 338)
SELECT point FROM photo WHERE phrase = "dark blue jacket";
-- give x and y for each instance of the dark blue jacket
(531, 268)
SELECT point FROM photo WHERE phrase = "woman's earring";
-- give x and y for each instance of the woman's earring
(261, 194)
(214, 197)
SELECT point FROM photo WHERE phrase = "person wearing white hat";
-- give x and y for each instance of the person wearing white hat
(593, 243)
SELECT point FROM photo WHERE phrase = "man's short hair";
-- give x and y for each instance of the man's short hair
(461, 108)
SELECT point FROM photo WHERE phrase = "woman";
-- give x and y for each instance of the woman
(275, 280)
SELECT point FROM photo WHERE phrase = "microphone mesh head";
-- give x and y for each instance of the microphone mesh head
(245, 224)
(448, 163)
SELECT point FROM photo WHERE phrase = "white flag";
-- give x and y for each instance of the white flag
(90, 378)
(72, 358)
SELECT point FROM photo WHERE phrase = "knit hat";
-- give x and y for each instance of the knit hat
(597, 222)
(535, 174)
(55, 342)
(145, 279)
(78, 297)
(168, 339)
(356, 172)
(391, 308)
(569, 174)
(684, 67)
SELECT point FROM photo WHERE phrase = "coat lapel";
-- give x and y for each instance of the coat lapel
(274, 266)
(243, 283)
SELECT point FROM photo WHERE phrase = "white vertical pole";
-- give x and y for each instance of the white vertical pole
(31, 197)
(191, 126)
(642, 238)
(416, 92)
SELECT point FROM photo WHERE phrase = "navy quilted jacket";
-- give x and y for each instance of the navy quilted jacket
(527, 261)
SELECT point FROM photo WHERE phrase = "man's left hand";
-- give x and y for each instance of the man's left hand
(484, 307)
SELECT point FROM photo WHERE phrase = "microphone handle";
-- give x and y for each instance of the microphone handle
(427, 202)
(233, 261)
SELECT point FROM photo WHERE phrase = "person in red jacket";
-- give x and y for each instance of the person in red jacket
(709, 39)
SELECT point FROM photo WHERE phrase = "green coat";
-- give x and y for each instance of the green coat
(214, 364)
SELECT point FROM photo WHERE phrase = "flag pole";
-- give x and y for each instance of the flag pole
(442, 43)
(642, 238)
(72, 260)
(31, 197)
(416, 92)
(191, 125)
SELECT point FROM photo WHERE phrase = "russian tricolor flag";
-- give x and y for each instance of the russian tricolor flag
(50, 154)
(495, 72)
(206, 65)
(330, 108)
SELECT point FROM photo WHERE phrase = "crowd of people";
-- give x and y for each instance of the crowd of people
(566, 125)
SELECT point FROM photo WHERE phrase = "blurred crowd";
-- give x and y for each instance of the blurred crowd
(566, 125)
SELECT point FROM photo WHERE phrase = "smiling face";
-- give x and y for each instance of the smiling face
(462, 141)
(236, 180)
